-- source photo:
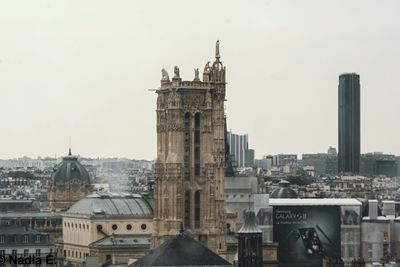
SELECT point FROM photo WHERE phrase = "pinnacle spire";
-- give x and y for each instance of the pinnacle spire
(69, 152)
(217, 55)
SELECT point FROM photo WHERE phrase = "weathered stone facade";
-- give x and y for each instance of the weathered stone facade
(190, 165)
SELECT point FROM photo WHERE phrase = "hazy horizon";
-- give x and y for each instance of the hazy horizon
(81, 70)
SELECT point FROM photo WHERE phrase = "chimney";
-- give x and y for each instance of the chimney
(373, 209)
(389, 209)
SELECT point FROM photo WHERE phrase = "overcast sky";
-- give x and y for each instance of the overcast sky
(82, 69)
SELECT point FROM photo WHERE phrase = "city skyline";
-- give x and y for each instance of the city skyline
(86, 78)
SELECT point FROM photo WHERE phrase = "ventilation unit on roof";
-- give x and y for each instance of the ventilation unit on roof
(99, 211)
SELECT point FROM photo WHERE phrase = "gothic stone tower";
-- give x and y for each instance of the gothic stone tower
(190, 165)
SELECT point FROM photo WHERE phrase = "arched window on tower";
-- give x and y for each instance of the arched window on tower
(197, 144)
(186, 146)
(197, 209)
(187, 210)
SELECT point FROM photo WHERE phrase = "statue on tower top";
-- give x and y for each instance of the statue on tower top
(165, 76)
(176, 72)
(217, 55)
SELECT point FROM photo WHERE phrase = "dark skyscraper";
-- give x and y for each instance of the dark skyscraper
(349, 123)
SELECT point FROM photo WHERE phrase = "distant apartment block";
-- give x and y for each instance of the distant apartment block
(239, 149)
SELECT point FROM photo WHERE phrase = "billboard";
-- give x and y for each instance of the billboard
(306, 234)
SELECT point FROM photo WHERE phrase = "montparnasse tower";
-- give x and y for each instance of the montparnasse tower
(190, 165)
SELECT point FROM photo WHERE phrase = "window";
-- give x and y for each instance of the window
(37, 239)
(99, 227)
(114, 227)
(143, 226)
(37, 252)
(25, 239)
(14, 252)
(186, 146)
(197, 144)
(197, 209)
(1, 239)
(187, 209)
(26, 252)
(128, 227)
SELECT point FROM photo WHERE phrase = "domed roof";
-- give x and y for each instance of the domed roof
(70, 171)
(114, 204)
(284, 191)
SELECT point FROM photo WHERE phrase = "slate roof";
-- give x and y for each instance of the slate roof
(123, 240)
(112, 205)
(70, 170)
(181, 250)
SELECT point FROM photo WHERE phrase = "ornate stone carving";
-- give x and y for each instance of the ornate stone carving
(207, 67)
(196, 75)
(174, 99)
(193, 102)
(176, 73)
(208, 99)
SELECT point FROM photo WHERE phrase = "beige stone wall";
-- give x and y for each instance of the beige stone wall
(62, 198)
(83, 231)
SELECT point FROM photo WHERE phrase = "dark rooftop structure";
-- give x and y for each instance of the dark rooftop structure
(70, 170)
(182, 250)
(250, 242)
(284, 191)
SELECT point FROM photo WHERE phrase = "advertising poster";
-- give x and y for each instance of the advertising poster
(306, 234)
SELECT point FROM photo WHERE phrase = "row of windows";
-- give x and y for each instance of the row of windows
(25, 239)
(242, 196)
(26, 252)
(128, 227)
(75, 254)
(76, 225)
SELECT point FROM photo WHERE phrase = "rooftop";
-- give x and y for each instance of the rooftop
(123, 240)
(181, 250)
(112, 204)
(314, 202)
